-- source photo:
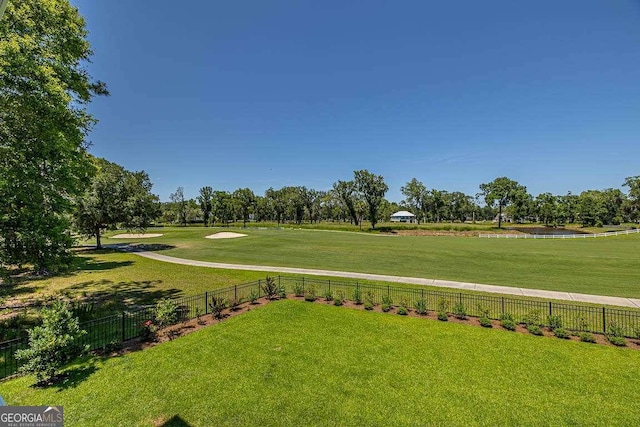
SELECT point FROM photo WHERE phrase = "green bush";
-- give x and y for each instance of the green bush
(403, 302)
(52, 344)
(507, 316)
(460, 311)
(421, 306)
(485, 322)
(253, 296)
(337, 301)
(534, 329)
(554, 322)
(533, 318)
(387, 303)
(270, 288)
(217, 305)
(561, 333)
(386, 307)
(282, 293)
(298, 289)
(368, 305)
(508, 324)
(369, 298)
(310, 294)
(403, 311)
(615, 330)
(615, 340)
(357, 296)
(442, 315)
(328, 296)
(443, 305)
(166, 313)
(587, 337)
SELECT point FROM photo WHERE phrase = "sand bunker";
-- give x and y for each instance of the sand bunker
(225, 235)
(135, 236)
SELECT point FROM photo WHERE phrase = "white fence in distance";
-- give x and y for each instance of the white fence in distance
(558, 236)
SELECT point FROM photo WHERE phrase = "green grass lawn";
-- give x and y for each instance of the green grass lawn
(604, 266)
(295, 363)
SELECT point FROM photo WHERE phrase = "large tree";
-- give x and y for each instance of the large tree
(345, 192)
(181, 205)
(44, 90)
(245, 200)
(114, 197)
(632, 205)
(372, 188)
(502, 191)
(415, 198)
(222, 206)
(206, 204)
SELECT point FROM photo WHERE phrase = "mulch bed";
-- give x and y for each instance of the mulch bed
(174, 331)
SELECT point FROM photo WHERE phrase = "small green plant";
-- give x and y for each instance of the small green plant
(282, 293)
(310, 294)
(532, 318)
(199, 315)
(166, 313)
(368, 305)
(253, 296)
(485, 319)
(51, 344)
(386, 303)
(217, 305)
(534, 329)
(561, 333)
(147, 331)
(369, 298)
(234, 304)
(357, 296)
(443, 306)
(298, 289)
(421, 306)
(615, 334)
(460, 311)
(270, 288)
(339, 298)
(587, 337)
(554, 322)
(402, 310)
(328, 296)
(507, 321)
(619, 341)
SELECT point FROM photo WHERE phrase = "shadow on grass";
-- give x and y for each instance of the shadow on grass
(175, 421)
(120, 294)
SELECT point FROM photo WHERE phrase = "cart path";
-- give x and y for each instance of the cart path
(538, 293)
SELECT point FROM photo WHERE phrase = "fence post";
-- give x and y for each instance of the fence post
(279, 286)
(604, 321)
(206, 303)
(302, 283)
(502, 298)
(123, 327)
(460, 298)
(389, 291)
(329, 285)
(235, 292)
(422, 293)
(550, 308)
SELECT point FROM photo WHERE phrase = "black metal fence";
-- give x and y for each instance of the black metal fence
(113, 330)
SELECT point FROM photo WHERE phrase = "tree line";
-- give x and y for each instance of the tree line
(362, 198)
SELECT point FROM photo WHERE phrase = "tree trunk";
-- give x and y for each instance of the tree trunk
(98, 243)
(500, 215)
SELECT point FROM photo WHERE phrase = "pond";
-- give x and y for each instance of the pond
(547, 231)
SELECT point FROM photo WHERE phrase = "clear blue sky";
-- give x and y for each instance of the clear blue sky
(455, 93)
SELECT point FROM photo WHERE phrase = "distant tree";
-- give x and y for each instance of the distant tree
(591, 208)
(501, 191)
(460, 206)
(632, 206)
(222, 206)
(415, 198)
(372, 188)
(181, 205)
(522, 206)
(114, 197)
(206, 204)
(346, 193)
(44, 90)
(547, 208)
(245, 201)
(278, 202)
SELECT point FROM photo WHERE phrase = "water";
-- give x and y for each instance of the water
(547, 231)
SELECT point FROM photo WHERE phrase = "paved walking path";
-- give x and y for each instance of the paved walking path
(594, 299)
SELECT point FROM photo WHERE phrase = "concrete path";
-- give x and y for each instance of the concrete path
(594, 299)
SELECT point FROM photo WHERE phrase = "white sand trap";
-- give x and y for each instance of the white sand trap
(135, 236)
(225, 235)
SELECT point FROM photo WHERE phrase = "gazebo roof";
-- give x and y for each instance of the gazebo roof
(403, 213)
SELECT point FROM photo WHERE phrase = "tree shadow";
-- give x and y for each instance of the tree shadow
(119, 295)
(72, 377)
(88, 263)
(175, 421)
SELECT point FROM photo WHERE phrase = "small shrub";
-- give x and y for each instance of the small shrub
(298, 289)
(507, 316)
(328, 296)
(368, 305)
(282, 293)
(234, 304)
(253, 296)
(199, 315)
(112, 346)
(403, 302)
(217, 305)
(166, 313)
(369, 298)
(442, 315)
(269, 287)
(357, 296)
(508, 324)
(615, 340)
(561, 333)
(615, 330)
(403, 311)
(554, 322)
(534, 329)
(532, 318)
(310, 294)
(337, 301)
(485, 322)
(386, 307)
(386, 303)
(587, 337)
(147, 331)
(421, 306)
(460, 311)
(443, 305)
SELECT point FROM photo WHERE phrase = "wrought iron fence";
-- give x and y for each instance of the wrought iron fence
(113, 330)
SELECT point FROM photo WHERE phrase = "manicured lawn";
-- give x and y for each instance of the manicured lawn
(604, 266)
(295, 363)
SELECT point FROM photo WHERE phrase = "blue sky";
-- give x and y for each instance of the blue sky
(271, 93)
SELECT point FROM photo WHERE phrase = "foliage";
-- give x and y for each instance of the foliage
(181, 204)
(345, 192)
(270, 287)
(587, 337)
(338, 300)
(245, 201)
(615, 334)
(357, 296)
(617, 341)
(233, 304)
(554, 322)
(328, 295)
(205, 200)
(52, 344)
(44, 90)
(403, 311)
(368, 305)
(310, 294)
(508, 324)
(298, 289)
(147, 330)
(485, 322)
(460, 311)
(253, 296)
(282, 293)
(503, 191)
(217, 305)
(372, 188)
(421, 306)
(561, 333)
(533, 317)
(166, 313)
(199, 315)
(369, 298)
(534, 329)
(387, 303)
